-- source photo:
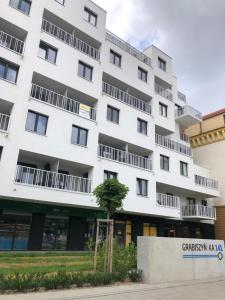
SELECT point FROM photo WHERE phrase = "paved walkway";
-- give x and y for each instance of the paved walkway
(191, 290)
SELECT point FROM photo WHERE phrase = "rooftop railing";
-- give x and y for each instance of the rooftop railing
(4, 122)
(199, 211)
(50, 97)
(168, 201)
(206, 182)
(188, 110)
(165, 93)
(10, 42)
(124, 157)
(70, 39)
(126, 98)
(127, 47)
(181, 96)
(51, 180)
(172, 145)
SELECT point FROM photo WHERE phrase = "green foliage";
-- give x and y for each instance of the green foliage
(135, 275)
(110, 195)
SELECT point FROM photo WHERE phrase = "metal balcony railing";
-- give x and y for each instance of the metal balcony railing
(199, 211)
(70, 39)
(127, 47)
(62, 102)
(188, 110)
(126, 98)
(51, 180)
(172, 145)
(168, 201)
(181, 96)
(165, 93)
(10, 42)
(124, 157)
(4, 122)
(206, 182)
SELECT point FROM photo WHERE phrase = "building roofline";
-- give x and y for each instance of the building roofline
(214, 114)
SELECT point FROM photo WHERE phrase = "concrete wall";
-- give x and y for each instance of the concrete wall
(167, 259)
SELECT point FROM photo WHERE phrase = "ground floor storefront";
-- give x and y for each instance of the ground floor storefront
(34, 227)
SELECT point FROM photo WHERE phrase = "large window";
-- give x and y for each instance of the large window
(164, 162)
(85, 71)
(47, 52)
(113, 114)
(8, 71)
(115, 58)
(142, 187)
(183, 168)
(79, 136)
(142, 74)
(14, 232)
(22, 5)
(110, 175)
(90, 16)
(55, 234)
(163, 110)
(36, 122)
(161, 64)
(142, 126)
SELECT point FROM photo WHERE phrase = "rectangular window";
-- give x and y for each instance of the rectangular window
(90, 16)
(110, 175)
(79, 136)
(47, 52)
(1, 149)
(113, 114)
(183, 168)
(163, 110)
(142, 74)
(22, 5)
(191, 201)
(204, 202)
(115, 58)
(161, 64)
(85, 71)
(36, 122)
(8, 71)
(164, 162)
(142, 187)
(142, 126)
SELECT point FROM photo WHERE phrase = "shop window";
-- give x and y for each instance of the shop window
(149, 229)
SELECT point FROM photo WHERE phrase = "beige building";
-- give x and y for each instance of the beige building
(208, 141)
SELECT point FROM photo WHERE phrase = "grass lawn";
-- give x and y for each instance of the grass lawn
(45, 262)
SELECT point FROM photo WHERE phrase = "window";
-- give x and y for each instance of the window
(161, 64)
(90, 16)
(1, 149)
(191, 201)
(183, 168)
(142, 74)
(164, 162)
(142, 187)
(79, 136)
(142, 126)
(47, 52)
(60, 1)
(36, 122)
(110, 175)
(163, 110)
(85, 71)
(115, 58)
(113, 114)
(22, 5)
(204, 202)
(8, 71)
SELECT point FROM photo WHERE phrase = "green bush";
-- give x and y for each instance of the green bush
(135, 275)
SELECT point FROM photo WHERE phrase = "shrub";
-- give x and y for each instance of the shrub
(135, 275)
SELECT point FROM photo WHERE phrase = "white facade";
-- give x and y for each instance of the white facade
(54, 152)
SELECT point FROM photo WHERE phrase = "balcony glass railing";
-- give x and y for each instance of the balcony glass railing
(51, 180)
(206, 182)
(124, 157)
(126, 98)
(188, 110)
(62, 102)
(172, 145)
(4, 122)
(165, 93)
(199, 211)
(10, 42)
(70, 39)
(168, 201)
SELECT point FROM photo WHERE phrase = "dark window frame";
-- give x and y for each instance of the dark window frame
(45, 46)
(37, 116)
(142, 74)
(78, 138)
(107, 175)
(91, 15)
(85, 66)
(164, 162)
(1, 151)
(163, 107)
(62, 2)
(162, 64)
(110, 114)
(140, 190)
(142, 126)
(6, 68)
(19, 6)
(182, 164)
(114, 57)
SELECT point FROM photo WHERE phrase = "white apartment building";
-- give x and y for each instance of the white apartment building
(78, 105)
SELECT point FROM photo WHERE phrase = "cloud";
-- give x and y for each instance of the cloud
(190, 31)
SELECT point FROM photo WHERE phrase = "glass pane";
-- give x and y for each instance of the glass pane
(109, 113)
(93, 20)
(11, 74)
(2, 69)
(83, 137)
(86, 15)
(42, 52)
(138, 187)
(111, 58)
(88, 73)
(74, 138)
(25, 7)
(115, 116)
(30, 123)
(42, 124)
(22, 233)
(81, 70)
(52, 55)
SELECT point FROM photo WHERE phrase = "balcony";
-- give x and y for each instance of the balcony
(124, 157)
(181, 97)
(126, 98)
(12, 43)
(187, 116)
(163, 92)
(172, 145)
(198, 212)
(206, 182)
(168, 201)
(127, 47)
(70, 39)
(62, 102)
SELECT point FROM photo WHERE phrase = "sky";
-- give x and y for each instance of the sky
(192, 32)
